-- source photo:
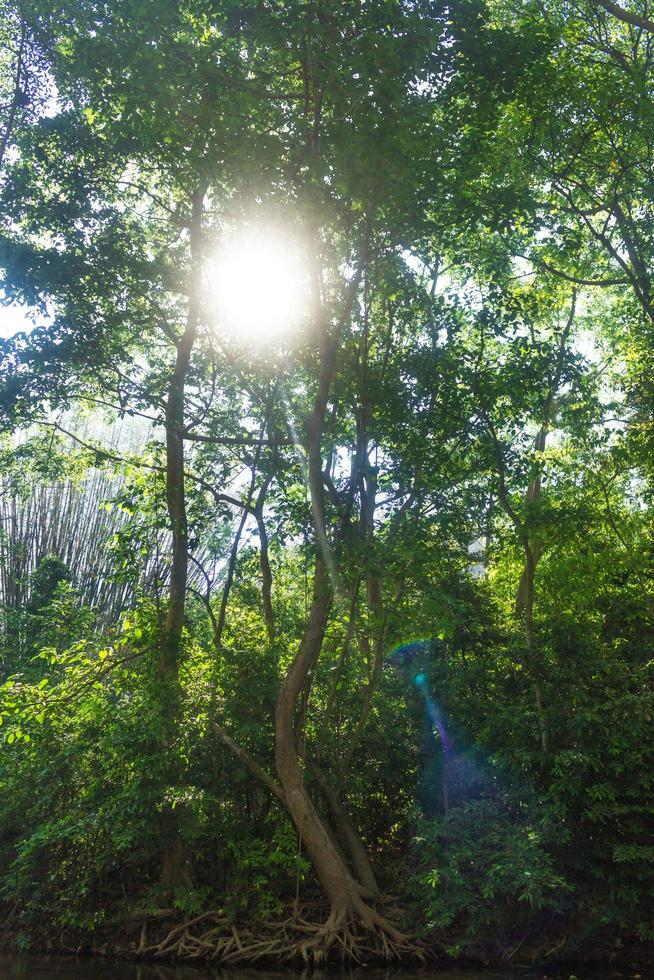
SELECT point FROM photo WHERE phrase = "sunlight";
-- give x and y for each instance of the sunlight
(260, 286)
(17, 318)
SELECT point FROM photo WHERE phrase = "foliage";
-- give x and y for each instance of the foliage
(487, 880)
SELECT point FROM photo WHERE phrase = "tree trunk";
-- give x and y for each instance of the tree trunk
(266, 577)
(527, 584)
(175, 870)
(328, 863)
(525, 593)
(343, 893)
(347, 833)
(374, 594)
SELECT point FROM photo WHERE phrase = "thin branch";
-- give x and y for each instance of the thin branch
(576, 280)
(236, 440)
(218, 495)
(252, 765)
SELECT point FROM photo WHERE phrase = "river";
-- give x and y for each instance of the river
(26, 967)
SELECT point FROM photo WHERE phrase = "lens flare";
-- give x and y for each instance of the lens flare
(404, 654)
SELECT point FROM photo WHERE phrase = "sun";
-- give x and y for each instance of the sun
(259, 286)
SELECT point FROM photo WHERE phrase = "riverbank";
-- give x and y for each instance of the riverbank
(163, 938)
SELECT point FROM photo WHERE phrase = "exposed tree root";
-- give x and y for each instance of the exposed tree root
(357, 934)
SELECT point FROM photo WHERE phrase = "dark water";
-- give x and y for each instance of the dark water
(70, 968)
(18, 967)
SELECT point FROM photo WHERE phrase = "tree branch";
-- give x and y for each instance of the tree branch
(626, 16)
(236, 440)
(251, 764)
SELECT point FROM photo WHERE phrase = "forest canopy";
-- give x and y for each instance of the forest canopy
(326, 498)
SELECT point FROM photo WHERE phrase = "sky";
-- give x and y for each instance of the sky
(14, 319)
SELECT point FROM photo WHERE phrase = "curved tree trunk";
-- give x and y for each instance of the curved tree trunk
(328, 863)
(348, 908)
(341, 889)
